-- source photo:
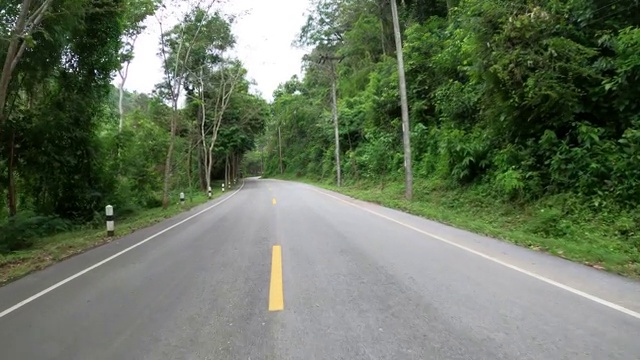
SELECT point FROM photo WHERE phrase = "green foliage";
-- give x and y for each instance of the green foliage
(20, 231)
(63, 157)
(529, 101)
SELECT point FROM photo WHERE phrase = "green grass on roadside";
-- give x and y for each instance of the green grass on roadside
(50, 250)
(603, 240)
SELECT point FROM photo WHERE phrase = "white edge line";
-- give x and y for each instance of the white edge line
(72, 277)
(585, 295)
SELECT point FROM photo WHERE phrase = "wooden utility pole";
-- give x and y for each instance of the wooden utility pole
(403, 104)
(333, 60)
(334, 111)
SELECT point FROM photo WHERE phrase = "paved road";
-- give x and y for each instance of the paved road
(358, 282)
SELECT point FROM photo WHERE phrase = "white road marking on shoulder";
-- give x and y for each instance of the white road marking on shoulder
(583, 294)
(72, 277)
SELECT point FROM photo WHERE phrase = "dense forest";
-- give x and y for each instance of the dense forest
(71, 142)
(526, 104)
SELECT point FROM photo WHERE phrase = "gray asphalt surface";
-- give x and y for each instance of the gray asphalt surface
(357, 285)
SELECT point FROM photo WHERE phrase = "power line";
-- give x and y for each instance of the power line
(608, 5)
(612, 14)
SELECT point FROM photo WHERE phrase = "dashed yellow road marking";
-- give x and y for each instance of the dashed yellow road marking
(276, 293)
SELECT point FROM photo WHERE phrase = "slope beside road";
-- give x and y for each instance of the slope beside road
(282, 270)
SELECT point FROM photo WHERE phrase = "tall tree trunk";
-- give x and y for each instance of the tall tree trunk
(235, 166)
(222, 101)
(124, 73)
(209, 157)
(237, 174)
(202, 169)
(123, 78)
(237, 171)
(382, 42)
(231, 168)
(451, 4)
(5, 80)
(167, 164)
(334, 110)
(238, 162)
(29, 19)
(120, 107)
(189, 172)
(12, 193)
(12, 56)
(226, 171)
(209, 162)
(403, 104)
(280, 150)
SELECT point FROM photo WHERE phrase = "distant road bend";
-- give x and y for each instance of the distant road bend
(282, 270)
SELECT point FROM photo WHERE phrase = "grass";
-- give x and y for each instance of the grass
(50, 250)
(605, 240)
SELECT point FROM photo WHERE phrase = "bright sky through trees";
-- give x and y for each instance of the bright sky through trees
(264, 32)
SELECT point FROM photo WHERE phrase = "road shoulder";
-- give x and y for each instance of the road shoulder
(593, 282)
(25, 287)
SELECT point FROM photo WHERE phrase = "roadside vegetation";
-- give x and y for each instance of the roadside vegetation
(45, 249)
(525, 123)
(584, 237)
(71, 142)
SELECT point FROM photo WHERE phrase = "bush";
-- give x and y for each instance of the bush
(23, 230)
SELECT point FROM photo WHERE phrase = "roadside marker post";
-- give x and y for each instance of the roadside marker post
(181, 198)
(222, 187)
(110, 224)
(209, 192)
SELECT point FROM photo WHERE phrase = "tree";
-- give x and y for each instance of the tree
(137, 12)
(175, 50)
(324, 30)
(221, 85)
(214, 79)
(50, 61)
(63, 151)
(26, 19)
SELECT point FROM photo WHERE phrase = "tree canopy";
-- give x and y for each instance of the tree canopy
(524, 99)
(62, 154)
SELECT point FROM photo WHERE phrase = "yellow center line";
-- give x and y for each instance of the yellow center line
(273, 201)
(276, 294)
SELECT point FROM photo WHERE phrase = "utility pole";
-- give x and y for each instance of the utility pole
(334, 108)
(403, 104)
(334, 111)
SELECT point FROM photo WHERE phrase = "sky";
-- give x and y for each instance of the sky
(264, 32)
